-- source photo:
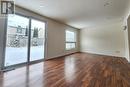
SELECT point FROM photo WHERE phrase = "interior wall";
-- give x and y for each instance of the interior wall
(127, 33)
(126, 45)
(55, 42)
(104, 39)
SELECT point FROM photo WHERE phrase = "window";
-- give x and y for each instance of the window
(70, 40)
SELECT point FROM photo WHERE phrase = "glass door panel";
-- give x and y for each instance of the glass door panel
(16, 40)
(37, 40)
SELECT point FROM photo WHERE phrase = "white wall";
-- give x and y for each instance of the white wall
(56, 40)
(127, 38)
(104, 39)
(55, 35)
(126, 45)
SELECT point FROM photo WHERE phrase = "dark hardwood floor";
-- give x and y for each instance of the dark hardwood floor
(77, 70)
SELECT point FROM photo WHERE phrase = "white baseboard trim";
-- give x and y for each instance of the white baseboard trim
(61, 55)
(102, 54)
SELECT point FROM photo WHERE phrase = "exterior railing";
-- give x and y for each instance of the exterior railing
(22, 41)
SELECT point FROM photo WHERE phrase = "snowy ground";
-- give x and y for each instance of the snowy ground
(19, 55)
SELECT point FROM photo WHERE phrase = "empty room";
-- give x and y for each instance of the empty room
(64, 43)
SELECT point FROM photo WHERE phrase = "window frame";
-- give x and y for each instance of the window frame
(70, 42)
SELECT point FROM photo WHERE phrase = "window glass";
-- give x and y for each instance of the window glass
(70, 46)
(70, 40)
(70, 36)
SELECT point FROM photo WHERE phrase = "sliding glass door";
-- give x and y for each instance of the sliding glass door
(16, 40)
(37, 40)
(25, 39)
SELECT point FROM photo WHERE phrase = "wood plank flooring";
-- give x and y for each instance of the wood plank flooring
(76, 70)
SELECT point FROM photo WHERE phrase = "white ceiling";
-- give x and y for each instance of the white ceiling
(79, 13)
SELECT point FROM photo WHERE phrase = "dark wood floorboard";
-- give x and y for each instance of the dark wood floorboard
(77, 70)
